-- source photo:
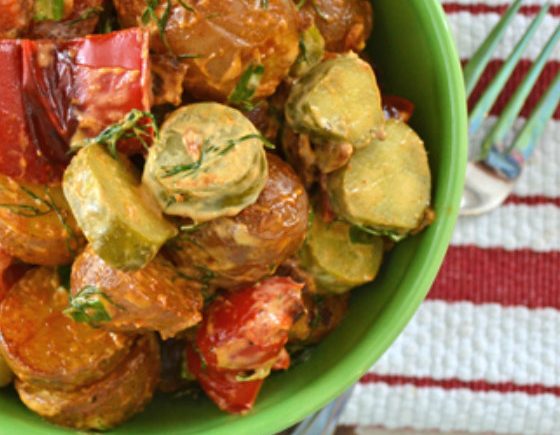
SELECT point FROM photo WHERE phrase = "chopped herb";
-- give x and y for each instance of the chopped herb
(301, 4)
(356, 237)
(136, 124)
(193, 167)
(186, 6)
(264, 4)
(48, 10)
(87, 306)
(245, 89)
(189, 56)
(150, 14)
(86, 15)
(253, 375)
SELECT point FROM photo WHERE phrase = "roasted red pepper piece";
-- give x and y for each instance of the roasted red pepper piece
(396, 107)
(242, 338)
(230, 394)
(247, 329)
(51, 92)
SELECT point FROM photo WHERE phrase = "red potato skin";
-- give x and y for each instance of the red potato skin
(43, 346)
(51, 239)
(227, 36)
(11, 271)
(275, 227)
(247, 329)
(71, 26)
(106, 403)
(345, 24)
(154, 298)
(15, 17)
(51, 93)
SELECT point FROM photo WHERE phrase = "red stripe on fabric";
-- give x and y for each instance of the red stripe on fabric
(455, 384)
(494, 275)
(533, 200)
(545, 80)
(481, 8)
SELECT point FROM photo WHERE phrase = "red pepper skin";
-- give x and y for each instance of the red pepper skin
(51, 92)
(222, 387)
(248, 329)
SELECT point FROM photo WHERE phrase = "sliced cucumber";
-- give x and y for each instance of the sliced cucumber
(337, 100)
(209, 162)
(124, 228)
(336, 262)
(386, 186)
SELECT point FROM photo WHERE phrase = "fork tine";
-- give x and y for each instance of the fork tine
(510, 163)
(496, 86)
(478, 62)
(525, 142)
(508, 116)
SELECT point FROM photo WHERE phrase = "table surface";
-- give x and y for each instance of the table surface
(483, 352)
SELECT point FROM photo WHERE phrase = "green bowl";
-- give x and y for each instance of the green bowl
(415, 57)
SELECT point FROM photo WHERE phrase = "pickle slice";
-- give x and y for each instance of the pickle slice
(311, 51)
(337, 262)
(209, 162)
(117, 217)
(386, 186)
(338, 100)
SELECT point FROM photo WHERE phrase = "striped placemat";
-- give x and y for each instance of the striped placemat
(482, 355)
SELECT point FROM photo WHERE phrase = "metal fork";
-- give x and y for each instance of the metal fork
(492, 175)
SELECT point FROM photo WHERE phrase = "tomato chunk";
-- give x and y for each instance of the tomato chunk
(55, 92)
(242, 338)
(223, 387)
(247, 329)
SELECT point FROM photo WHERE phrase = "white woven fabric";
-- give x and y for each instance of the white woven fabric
(484, 367)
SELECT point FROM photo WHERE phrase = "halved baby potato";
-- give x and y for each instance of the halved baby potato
(36, 224)
(386, 186)
(154, 298)
(45, 347)
(106, 403)
(231, 251)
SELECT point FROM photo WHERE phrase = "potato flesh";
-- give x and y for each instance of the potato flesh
(337, 101)
(105, 403)
(227, 36)
(43, 346)
(154, 298)
(345, 24)
(386, 186)
(249, 246)
(49, 238)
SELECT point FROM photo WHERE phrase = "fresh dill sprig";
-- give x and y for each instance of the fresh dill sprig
(191, 168)
(186, 6)
(135, 125)
(364, 235)
(245, 89)
(87, 306)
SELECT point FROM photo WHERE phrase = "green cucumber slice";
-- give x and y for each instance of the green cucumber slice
(119, 219)
(385, 186)
(337, 100)
(336, 262)
(209, 161)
